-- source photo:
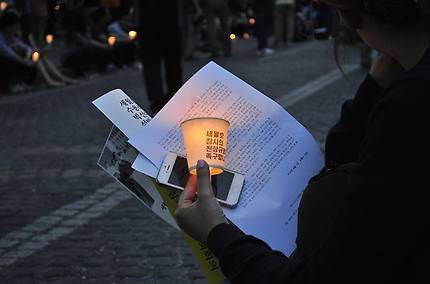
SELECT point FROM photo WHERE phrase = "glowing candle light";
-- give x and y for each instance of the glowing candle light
(111, 40)
(232, 36)
(246, 35)
(205, 139)
(49, 38)
(132, 34)
(3, 5)
(35, 56)
(57, 8)
(251, 21)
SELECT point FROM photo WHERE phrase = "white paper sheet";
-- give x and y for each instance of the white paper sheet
(276, 153)
(125, 114)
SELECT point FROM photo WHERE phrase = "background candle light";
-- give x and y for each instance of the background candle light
(3, 5)
(49, 38)
(132, 34)
(111, 40)
(206, 139)
(35, 56)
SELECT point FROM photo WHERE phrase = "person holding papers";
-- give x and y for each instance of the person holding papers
(365, 218)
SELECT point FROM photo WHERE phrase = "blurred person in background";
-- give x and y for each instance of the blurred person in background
(323, 22)
(123, 50)
(14, 49)
(160, 40)
(192, 15)
(215, 12)
(38, 20)
(285, 11)
(263, 10)
(34, 18)
(17, 69)
(85, 54)
(304, 21)
(90, 49)
(121, 21)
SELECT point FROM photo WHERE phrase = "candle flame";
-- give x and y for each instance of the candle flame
(49, 38)
(35, 56)
(3, 5)
(111, 40)
(132, 34)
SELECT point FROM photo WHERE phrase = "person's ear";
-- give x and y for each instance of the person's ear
(351, 19)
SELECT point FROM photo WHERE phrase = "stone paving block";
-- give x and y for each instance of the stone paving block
(17, 254)
(8, 243)
(137, 281)
(74, 222)
(133, 272)
(64, 212)
(35, 244)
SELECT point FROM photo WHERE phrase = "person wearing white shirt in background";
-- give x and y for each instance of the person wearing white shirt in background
(284, 21)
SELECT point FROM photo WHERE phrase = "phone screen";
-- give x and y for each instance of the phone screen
(220, 183)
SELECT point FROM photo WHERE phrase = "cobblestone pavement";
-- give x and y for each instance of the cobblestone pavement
(63, 220)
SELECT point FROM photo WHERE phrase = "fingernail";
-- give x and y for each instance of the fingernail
(200, 164)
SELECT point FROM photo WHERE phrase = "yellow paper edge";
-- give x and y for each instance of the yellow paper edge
(208, 262)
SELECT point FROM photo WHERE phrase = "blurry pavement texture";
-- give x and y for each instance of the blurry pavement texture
(63, 220)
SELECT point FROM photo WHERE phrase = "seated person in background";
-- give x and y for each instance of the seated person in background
(35, 36)
(91, 51)
(20, 69)
(124, 49)
(17, 55)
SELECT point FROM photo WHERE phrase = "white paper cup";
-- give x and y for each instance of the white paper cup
(206, 138)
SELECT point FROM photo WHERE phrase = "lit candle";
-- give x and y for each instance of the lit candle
(3, 5)
(232, 36)
(49, 38)
(57, 8)
(132, 35)
(35, 56)
(251, 21)
(205, 139)
(111, 40)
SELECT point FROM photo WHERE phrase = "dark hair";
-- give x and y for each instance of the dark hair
(8, 18)
(391, 13)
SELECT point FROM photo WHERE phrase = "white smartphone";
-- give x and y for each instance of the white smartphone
(227, 186)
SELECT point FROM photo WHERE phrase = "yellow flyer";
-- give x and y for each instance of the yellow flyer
(206, 260)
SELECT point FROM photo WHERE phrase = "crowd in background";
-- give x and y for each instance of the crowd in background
(54, 43)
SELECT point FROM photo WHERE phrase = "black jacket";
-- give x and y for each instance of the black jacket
(366, 217)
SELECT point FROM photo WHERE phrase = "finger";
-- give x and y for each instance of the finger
(203, 179)
(189, 193)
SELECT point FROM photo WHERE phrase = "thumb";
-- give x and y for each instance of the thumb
(203, 180)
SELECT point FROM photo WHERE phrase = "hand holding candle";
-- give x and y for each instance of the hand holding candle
(206, 139)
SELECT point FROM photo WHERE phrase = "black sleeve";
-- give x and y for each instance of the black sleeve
(344, 139)
(378, 228)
